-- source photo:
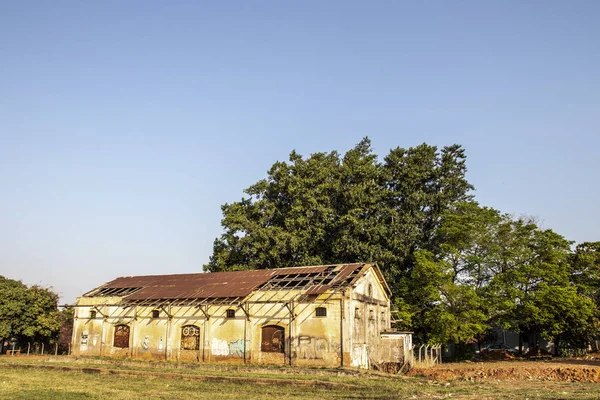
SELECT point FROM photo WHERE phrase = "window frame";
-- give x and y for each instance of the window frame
(268, 346)
(195, 334)
(321, 312)
(119, 328)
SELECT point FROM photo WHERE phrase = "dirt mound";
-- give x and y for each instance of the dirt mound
(515, 370)
(496, 355)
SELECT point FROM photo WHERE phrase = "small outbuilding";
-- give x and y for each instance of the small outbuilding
(329, 315)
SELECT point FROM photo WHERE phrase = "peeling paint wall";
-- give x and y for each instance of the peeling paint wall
(347, 334)
(370, 311)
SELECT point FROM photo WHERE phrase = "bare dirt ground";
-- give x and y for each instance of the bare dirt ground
(563, 370)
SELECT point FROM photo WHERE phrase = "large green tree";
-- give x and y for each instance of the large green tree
(28, 313)
(456, 269)
(491, 270)
(328, 208)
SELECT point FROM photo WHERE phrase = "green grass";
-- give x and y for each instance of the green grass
(29, 383)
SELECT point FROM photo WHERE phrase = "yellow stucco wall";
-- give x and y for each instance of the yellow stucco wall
(309, 340)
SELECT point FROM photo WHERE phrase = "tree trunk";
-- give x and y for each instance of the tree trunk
(520, 343)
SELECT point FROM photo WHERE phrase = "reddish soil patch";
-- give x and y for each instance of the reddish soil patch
(556, 370)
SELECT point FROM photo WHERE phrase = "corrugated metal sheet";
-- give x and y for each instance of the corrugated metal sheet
(221, 284)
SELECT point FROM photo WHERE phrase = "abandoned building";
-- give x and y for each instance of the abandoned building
(330, 315)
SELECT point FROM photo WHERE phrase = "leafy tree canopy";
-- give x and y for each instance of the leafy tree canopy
(456, 269)
(27, 312)
(328, 208)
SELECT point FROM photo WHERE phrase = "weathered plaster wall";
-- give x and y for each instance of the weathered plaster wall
(370, 315)
(308, 339)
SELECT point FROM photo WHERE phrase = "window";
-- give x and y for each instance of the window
(121, 338)
(320, 312)
(357, 313)
(371, 315)
(92, 314)
(230, 313)
(370, 291)
(190, 337)
(155, 313)
(272, 339)
(382, 318)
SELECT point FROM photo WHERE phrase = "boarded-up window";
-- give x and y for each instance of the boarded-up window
(121, 336)
(273, 339)
(190, 337)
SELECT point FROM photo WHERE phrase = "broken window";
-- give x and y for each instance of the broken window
(121, 338)
(272, 339)
(301, 280)
(155, 313)
(114, 292)
(230, 313)
(92, 314)
(190, 337)
(320, 312)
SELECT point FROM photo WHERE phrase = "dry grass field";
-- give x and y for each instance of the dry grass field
(69, 378)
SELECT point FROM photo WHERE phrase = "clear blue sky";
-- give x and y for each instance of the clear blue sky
(124, 125)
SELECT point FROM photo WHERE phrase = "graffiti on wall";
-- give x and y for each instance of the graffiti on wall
(235, 348)
(219, 347)
(146, 343)
(315, 348)
(84, 340)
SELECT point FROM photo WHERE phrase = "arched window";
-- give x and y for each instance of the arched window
(272, 339)
(190, 337)
(121, 338)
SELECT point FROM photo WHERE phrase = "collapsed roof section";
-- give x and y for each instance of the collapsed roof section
(313, 280)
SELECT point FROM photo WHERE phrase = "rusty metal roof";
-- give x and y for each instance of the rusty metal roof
(230, 284)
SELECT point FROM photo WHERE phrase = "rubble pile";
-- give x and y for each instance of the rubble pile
(507, 371)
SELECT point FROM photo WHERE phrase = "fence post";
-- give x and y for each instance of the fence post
(13, 349)
(28, 347)
(42, 348)
(69, 349)
(56, 349)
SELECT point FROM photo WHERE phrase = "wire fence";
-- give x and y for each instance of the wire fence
(36, 349)
(427, 355)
